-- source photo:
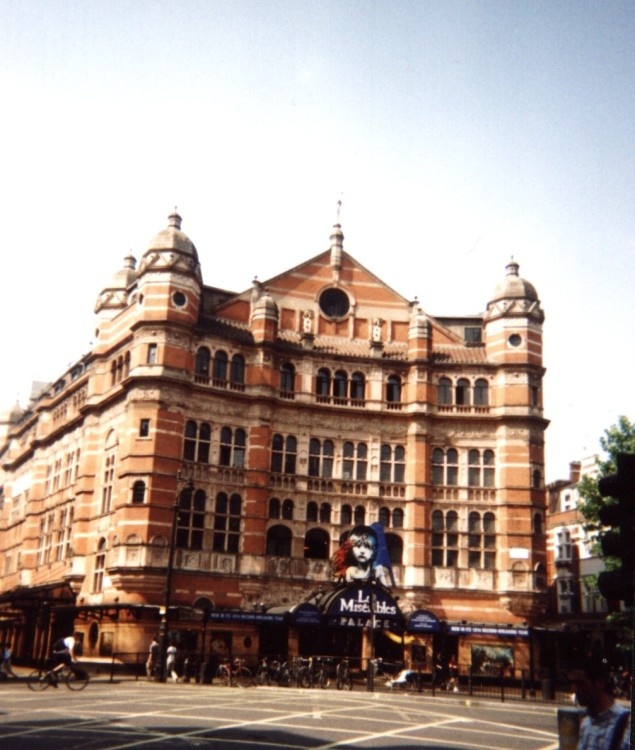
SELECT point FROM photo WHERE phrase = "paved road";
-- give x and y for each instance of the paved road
(175, 717)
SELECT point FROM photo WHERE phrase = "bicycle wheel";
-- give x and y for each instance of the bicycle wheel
(285, 677)
(304, 678)
(243, 677)
(263, 677)
(77, 679)
(38, 680)
(222, 676)
(323, 679)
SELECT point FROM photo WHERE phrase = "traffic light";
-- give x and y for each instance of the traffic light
(619, 541)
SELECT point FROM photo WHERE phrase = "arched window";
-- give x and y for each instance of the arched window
(279, 541)
(359, 517)
(394, 543)
(321, 458)
(232, 447)
(397, 518)
(316, 544)
(340, 386)
(445, 392)
(312, 512)
(489, 476)
(197, 441)
(315, 454)
(189, 440)
(537, 526)
(237, 371)
(287, 510)
(384, 517)
(240, 443)
(355, 461)
(287, 379)
(444, 539)
(462, 394)
(190, 519)
(358, 388)
(274, 508)
(227, 515)
(325, 513)
(277, 453)
(323, 383)
(202, 362)
(438, 464)
(290, 454)
(392, 463)
(536, 479)
(100, 566)
(108, 481)
(489, 541)
(393, 389)
(474, 468)
(219, 372)
(481, 392)
(138, 491)
(474, 540)
(346, 515)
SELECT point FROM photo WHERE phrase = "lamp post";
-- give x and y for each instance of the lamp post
(164, 627)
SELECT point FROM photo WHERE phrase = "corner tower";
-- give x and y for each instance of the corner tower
(513, 321)
(169, 277)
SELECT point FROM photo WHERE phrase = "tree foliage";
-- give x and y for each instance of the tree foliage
(619, 438)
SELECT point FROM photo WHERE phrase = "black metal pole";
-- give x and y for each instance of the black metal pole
(370, 677)
(164, 628)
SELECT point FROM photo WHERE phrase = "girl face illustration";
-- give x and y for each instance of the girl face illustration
(363, 548)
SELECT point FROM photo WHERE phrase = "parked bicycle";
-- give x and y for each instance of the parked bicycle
(234, 674)
(269, 671)
(319, 672)
(73, 677)
(343, 676)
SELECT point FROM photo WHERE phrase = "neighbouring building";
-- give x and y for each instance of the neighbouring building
(198, 468)
(577, 614)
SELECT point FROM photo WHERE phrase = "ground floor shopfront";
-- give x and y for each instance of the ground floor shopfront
(360, 621)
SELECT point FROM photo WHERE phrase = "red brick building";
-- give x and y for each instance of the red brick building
(277, 418)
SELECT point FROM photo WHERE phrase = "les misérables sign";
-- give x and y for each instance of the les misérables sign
(363, 606)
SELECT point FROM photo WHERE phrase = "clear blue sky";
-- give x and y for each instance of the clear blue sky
(458, 133)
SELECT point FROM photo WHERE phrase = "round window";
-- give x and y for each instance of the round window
(179, 299)
(334, 303)
(515, 339)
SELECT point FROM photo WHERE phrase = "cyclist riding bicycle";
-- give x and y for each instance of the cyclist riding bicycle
(63, 655)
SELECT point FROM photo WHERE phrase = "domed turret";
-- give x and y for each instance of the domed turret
(513, 286)
(114, 294)
(173, 238)
(172, 250)
(514, 296)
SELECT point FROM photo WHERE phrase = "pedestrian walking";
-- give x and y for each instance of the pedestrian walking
(6, 666)
(153, 658)
(607, 724)
(170, 664)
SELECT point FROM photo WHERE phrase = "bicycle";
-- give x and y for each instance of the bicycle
(318, 672)
(343, 676)
(238, 675)
(73, 677)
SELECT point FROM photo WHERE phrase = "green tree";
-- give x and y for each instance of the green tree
(619, 438)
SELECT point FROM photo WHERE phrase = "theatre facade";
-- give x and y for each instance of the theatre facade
(198, 472)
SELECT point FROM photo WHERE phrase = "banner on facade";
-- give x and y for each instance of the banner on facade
(423, 621)
(363, 606)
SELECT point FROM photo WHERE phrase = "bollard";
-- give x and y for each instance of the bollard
(569, 720)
